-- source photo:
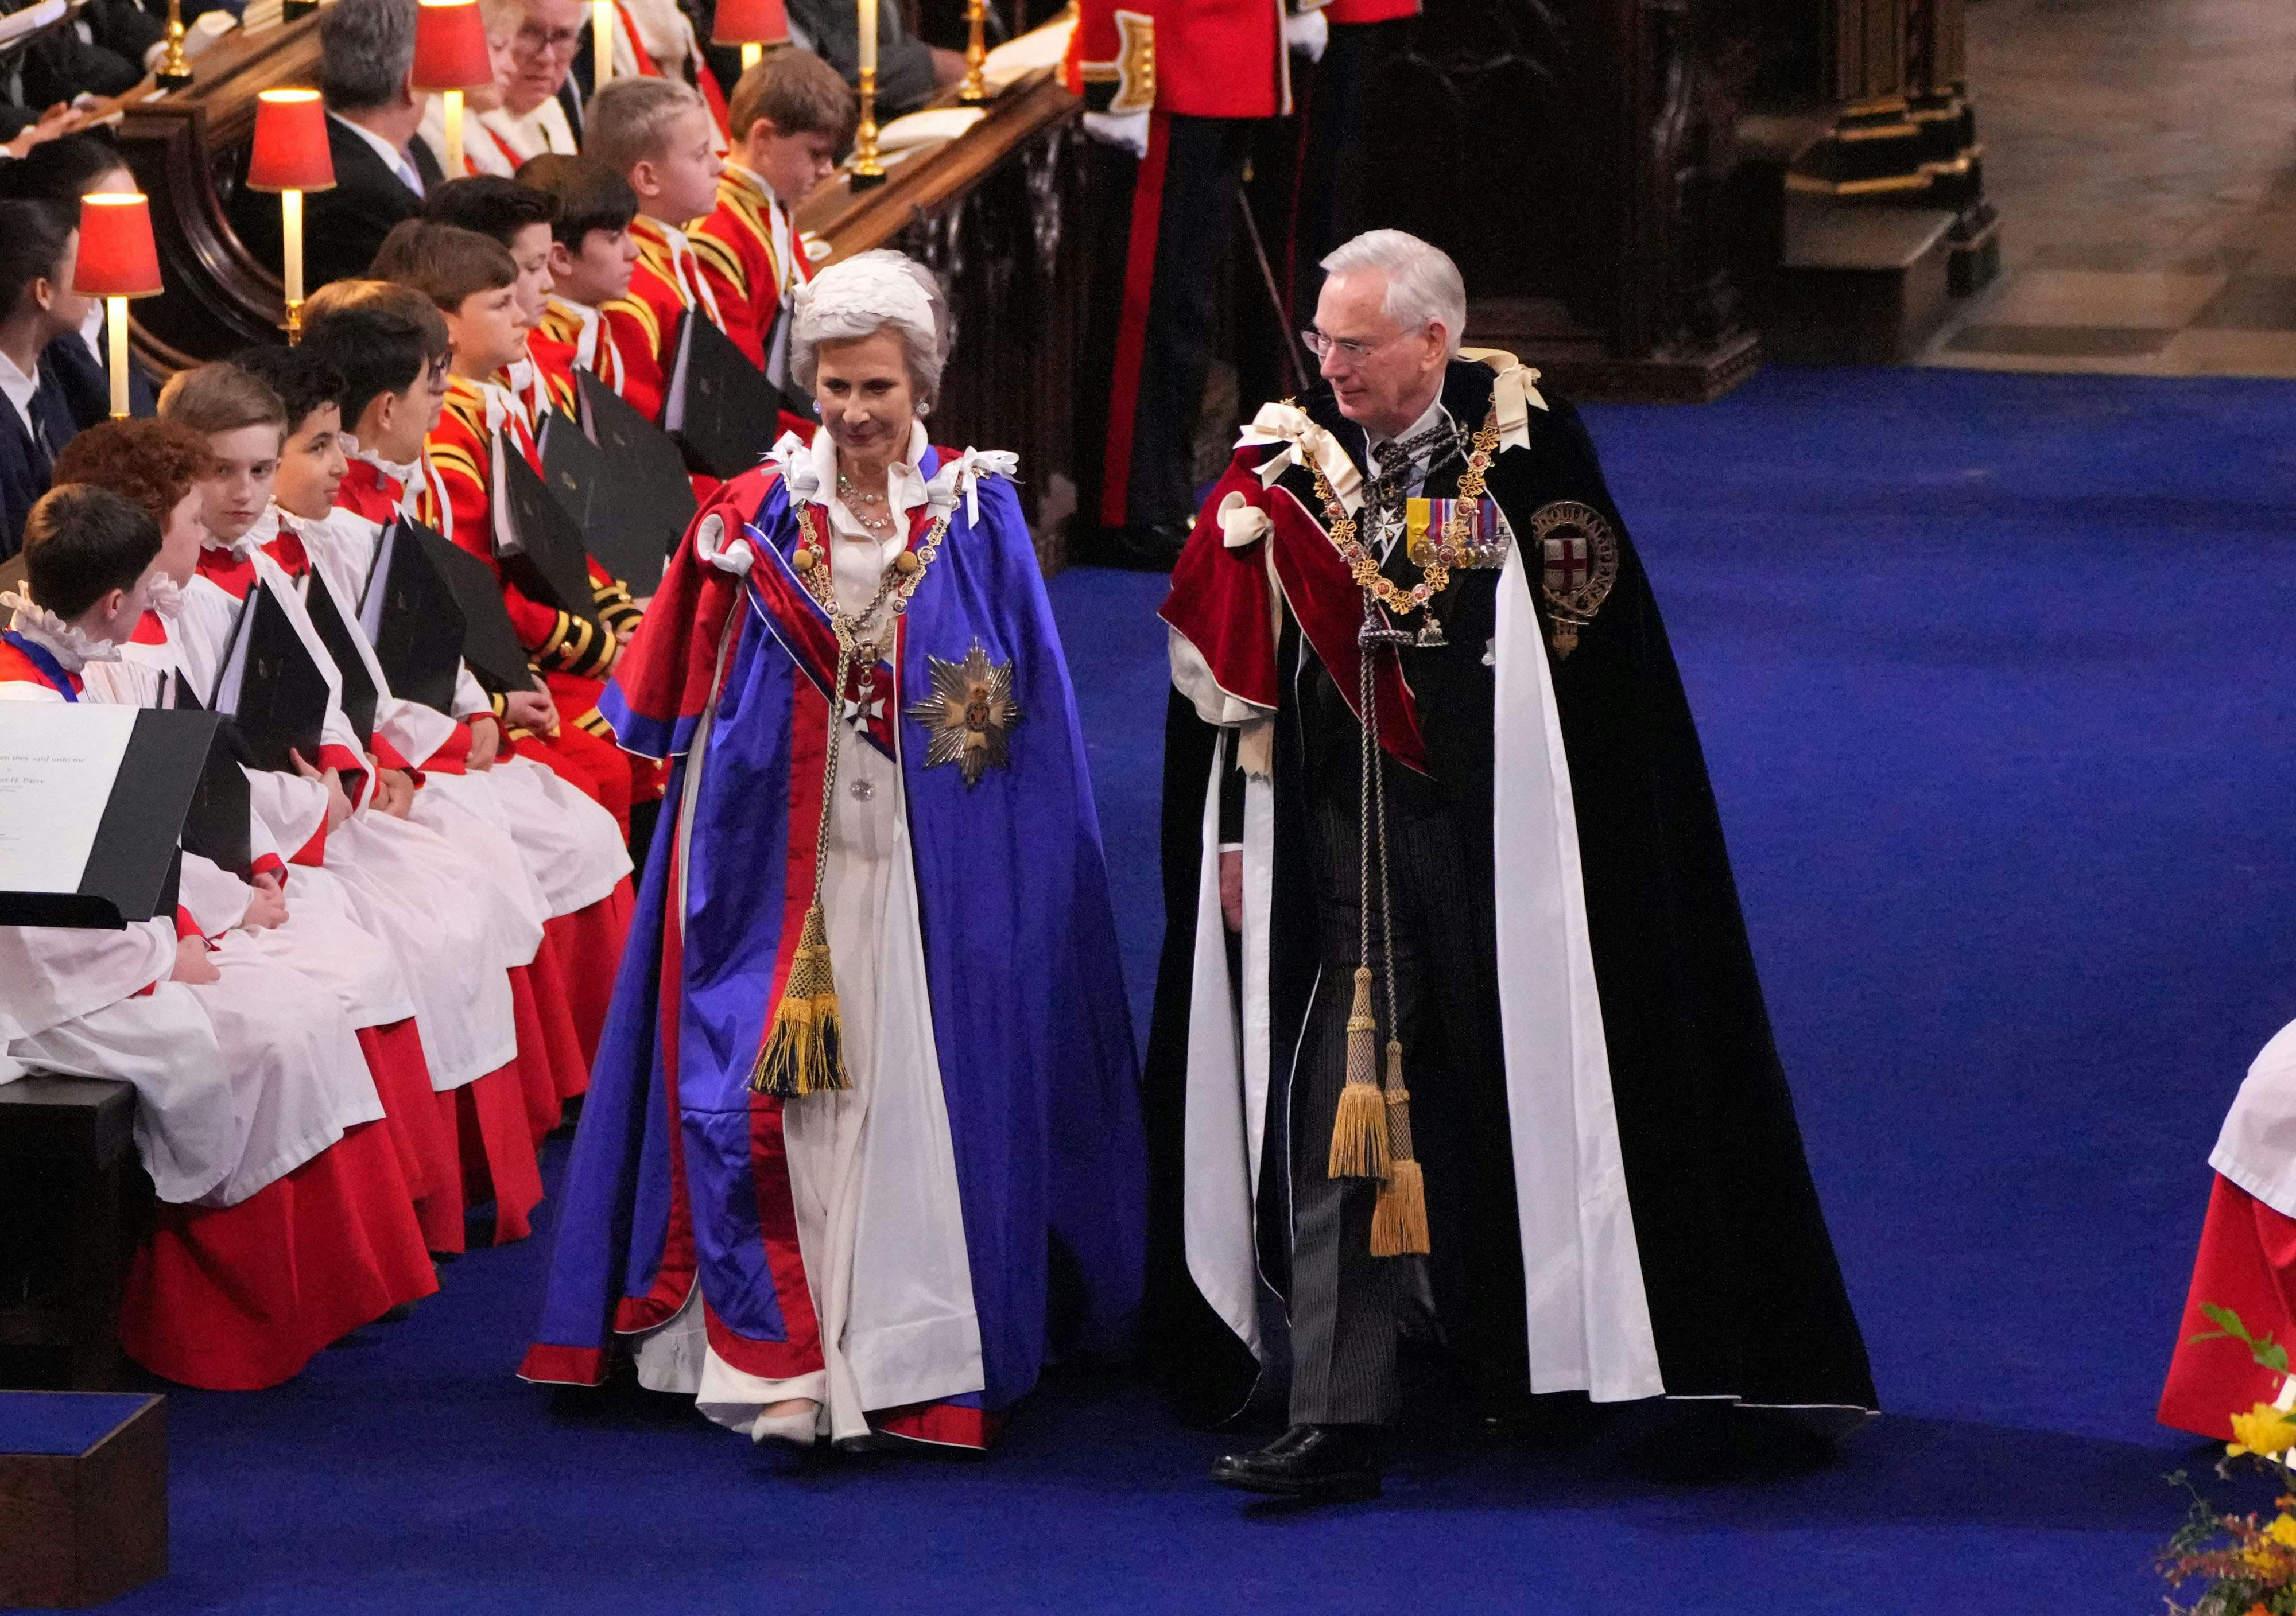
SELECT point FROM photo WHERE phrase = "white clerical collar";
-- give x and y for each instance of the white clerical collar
(396, 157)
(585, 345)
(72, 649)
(406, 474)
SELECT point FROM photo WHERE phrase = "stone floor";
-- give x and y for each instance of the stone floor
(2142, 154)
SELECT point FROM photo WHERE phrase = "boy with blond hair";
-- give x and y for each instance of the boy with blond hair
(657, 134)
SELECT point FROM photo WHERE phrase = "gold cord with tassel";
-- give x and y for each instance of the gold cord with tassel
(1399, 1222)
(1370, 1136)
(1359, 1132)
(804, 1051)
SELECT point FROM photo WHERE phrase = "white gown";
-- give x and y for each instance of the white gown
(872, 1174)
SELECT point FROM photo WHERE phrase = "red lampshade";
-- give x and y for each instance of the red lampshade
(291, 144)
(116, 255)
(450, 46)
(750, 22)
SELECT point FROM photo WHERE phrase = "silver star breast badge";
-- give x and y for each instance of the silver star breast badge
(969, 713)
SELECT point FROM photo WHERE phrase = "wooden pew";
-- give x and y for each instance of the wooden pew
(67, 1162)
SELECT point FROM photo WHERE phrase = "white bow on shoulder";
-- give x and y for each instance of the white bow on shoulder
(1307, 444)
(959, 477)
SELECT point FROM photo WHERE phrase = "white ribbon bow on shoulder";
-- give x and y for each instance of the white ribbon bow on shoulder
(1307, 444)
(792, 457)
(1512, 394)
(959, 477)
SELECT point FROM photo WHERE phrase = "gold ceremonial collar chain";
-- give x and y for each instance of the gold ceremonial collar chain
(1436, 561)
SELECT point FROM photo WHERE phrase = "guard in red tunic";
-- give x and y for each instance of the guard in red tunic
(1183, 84)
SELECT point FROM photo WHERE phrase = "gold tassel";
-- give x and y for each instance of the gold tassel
(1359, 1131)
(1399, 1222)
(804, 1053)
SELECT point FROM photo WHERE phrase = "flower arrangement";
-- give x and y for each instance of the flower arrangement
(2246, 1564)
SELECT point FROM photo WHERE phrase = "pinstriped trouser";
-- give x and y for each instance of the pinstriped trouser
(1348, 1306)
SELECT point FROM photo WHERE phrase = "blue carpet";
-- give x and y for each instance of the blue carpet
(1993, 677)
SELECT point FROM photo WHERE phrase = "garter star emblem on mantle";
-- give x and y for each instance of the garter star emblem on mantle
(1580, 554)
(969, 714)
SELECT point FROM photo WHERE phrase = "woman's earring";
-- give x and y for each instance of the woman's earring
(924, 406)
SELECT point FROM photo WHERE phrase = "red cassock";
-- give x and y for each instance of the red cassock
(1340, 13)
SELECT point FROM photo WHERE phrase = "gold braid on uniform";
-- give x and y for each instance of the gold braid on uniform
(575, 645)
(616, 609)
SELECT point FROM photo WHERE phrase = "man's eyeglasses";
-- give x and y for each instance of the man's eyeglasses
(1351, 350)
(531, 41)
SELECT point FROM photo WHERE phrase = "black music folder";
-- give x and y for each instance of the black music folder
(216, 826)
(615, 526)
(358, 695)
(719, 405)
(490, 642)
(413, 621)
(272, 686)
(545, 557)
(93, 799)
(649, 497)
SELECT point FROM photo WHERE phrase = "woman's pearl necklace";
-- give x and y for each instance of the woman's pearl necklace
(855, 499)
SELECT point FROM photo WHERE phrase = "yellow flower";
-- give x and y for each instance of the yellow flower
(2264, 1429)
(2282, 1531)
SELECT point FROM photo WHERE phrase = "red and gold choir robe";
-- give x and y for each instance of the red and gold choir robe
(574, 656)
(284, 1221)
(751, 256)
(665, 283)
(570, 339)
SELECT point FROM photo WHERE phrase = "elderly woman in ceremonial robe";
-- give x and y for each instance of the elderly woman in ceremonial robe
(864, 1122)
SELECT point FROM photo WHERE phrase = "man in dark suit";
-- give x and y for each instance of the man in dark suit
(366, 64)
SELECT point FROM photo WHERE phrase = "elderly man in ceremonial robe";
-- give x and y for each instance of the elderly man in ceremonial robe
(864, 1123)
(1491, 1066)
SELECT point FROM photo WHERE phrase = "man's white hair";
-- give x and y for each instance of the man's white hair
(866, 293)
(1424, 286)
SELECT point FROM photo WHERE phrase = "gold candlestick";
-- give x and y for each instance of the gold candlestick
(867, 170)
(173, 72)
(976, 51)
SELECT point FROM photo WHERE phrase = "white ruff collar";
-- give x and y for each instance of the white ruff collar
(72, 649)
(164, 596)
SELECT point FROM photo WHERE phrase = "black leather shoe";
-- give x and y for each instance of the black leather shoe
(1321, 1462)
